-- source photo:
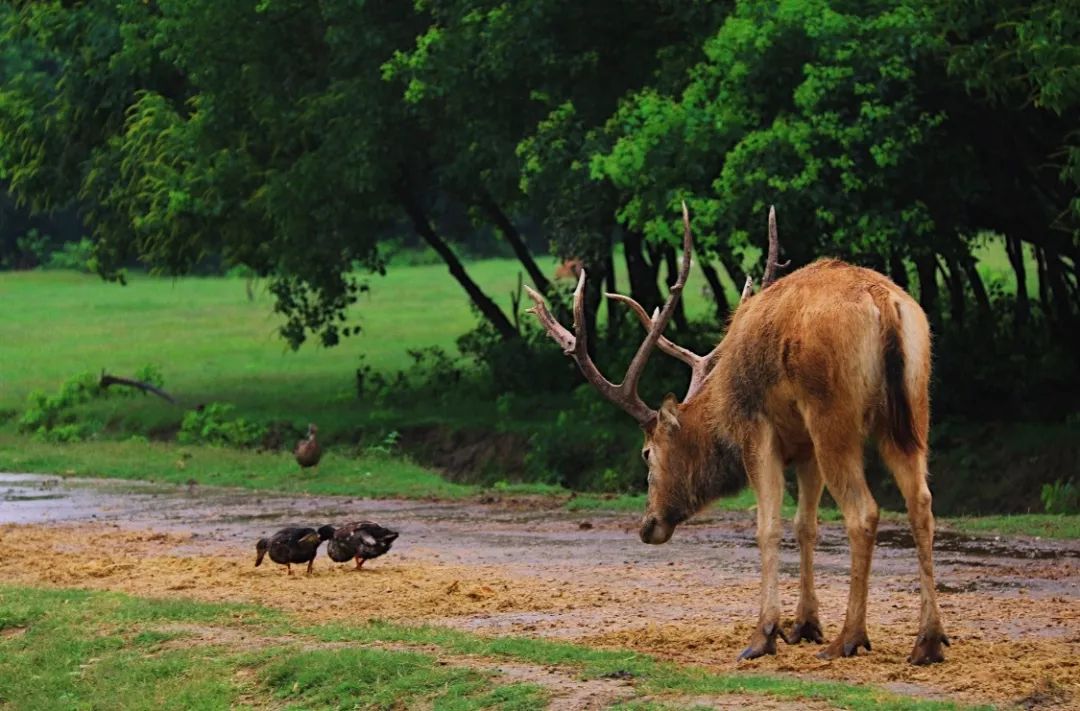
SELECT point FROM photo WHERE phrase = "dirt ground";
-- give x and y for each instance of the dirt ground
(1011, 606)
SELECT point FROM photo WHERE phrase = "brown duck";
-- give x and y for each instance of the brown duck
(308, 452)
(295, 544)
(362, 540)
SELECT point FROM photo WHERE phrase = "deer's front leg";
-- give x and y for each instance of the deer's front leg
(766, 473)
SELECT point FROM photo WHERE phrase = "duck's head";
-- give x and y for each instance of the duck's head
(312, 429)
(326, 533)
(260, 551)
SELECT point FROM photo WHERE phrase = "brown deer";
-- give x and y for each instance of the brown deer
(809, 367)
(569, 269)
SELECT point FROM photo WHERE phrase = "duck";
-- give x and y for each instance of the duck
(295, 544)
(308, 452)
(362, 540)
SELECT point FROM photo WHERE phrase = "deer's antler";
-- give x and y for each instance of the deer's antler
(771, 265)
(625, 394)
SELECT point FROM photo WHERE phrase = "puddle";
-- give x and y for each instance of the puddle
(988, 546)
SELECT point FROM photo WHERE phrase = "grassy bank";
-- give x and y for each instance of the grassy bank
(81, 649)
(379, 476)
(214, 344)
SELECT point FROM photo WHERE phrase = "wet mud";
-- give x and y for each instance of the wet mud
(1010, 605)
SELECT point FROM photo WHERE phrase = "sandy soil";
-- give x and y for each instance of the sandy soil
(1011, 606)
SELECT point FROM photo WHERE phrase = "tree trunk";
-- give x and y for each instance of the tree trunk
(954, 281)
(717, 287)
(926, 268)
(1015, 249)
(593, 289)
(1044, 286)
(642, 277)
(513, 237)
(612, 307)
(982, 299)
(898, 272)
(1059, 291)
(672, 261)
(487, 307)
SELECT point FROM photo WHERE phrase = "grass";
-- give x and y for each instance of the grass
(81, 649)
(214, 344)
(1043, 525)
(78, 649)
(363, 475)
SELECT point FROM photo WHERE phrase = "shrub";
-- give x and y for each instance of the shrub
(1061, 497)
(51, 416)
(72, 255)
(432, 371)
(214, 424)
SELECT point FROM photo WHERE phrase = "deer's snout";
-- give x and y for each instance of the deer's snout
(654, 531)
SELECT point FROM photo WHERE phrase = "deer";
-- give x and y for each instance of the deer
(809, 368)
(569, 268)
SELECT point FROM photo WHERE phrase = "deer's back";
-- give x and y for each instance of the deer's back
(812, 339)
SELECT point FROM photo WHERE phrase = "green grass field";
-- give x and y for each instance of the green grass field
(82, 649)
(214, 344)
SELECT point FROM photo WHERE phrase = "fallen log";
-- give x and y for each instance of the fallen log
(107, 380)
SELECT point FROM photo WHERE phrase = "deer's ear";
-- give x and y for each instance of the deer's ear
(669, 412)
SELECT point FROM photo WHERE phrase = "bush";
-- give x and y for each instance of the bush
(529, 365)
(72, 255)
(433, 371)
(589, 446)
(1061, 497)
(51, 417)
(214, 424)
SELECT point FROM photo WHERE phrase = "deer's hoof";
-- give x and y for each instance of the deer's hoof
(809, 629)
(846, 645)
(928, 648)
(762, 642)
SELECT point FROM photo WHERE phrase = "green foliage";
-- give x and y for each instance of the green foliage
(216, 424)
(52, 417)
(433, 373)
(1061, 497)
(56, 417)
(586, 449)
(77, 256)
(35, 245)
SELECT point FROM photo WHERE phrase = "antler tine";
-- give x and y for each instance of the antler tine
(771, 264)
(700, 365)
(658, 324)
(576, 346)
(748, 289)
(672, 349)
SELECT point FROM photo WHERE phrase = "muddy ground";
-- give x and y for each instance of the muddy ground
(1011, 605)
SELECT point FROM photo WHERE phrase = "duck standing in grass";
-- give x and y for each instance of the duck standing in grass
(308, 452)
(295, 544)
(362, 540)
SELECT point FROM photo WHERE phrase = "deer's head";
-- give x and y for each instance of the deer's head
(689, 465)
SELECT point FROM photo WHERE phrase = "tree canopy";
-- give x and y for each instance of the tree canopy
(293, 138)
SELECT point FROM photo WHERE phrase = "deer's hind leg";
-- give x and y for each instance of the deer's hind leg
(840, 462)
(807, 626)
(910, 472)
